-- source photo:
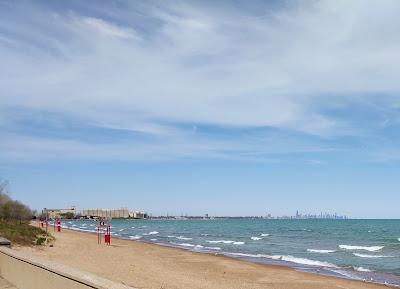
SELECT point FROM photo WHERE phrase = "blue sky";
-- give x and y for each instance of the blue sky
(194, 107)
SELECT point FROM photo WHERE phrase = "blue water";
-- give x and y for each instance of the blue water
(366, 250)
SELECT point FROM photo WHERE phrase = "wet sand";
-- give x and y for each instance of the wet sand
(150, 266)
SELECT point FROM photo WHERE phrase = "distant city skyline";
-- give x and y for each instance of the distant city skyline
(226, 108)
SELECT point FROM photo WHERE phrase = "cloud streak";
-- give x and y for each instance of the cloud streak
(153, 69)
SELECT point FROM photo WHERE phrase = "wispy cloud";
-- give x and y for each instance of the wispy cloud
(153, 69)
(110, 29)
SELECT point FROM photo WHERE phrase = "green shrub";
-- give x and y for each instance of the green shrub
(22, 233)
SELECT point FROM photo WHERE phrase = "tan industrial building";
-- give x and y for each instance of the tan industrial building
(106, 213)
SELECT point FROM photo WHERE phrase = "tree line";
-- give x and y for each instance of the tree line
(11, 209)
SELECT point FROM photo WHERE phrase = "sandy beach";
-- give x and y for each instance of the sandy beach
(150, 266)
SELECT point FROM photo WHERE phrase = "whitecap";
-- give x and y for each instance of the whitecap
(183, 238)
(304, 261)
(371, 256)
(136, 237)
(190, 245)
(180, 237)
(398, 239)
(121, 230)
(264, 235)
(288, 258)
(151, 233)
(153, 239)
(255, 238)
(226, 242)
(370, 249)
(213, 248)
(321, 251)
(361, 269)
(220, 241)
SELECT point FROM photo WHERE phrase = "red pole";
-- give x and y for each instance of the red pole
(107, 236)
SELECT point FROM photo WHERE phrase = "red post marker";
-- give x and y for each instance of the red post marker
(102, 226)
(58, 225)
(107, 236)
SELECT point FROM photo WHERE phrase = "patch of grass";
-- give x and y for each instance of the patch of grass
(22, 233)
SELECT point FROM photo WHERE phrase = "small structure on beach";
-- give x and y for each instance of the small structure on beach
(5, 242)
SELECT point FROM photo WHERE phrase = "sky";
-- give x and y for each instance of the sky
(202, 107)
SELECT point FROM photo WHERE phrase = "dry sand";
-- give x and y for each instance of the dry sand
(143, 265)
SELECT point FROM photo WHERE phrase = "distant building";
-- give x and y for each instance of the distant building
(106, 213)
(138, 215)
(60, 213)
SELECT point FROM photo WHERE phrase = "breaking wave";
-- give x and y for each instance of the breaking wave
(180, 237)
(370, 249)
(321, 251)
(226, 242)
(362, 269)
(371, 256)
(255, 238)
(288, 258)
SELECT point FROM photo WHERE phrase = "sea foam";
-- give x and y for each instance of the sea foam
(183, 238)
(321, 251)
(288, 258)
(226, 242)
(371, 256)
(361, 269)
(264, 235)
(213, 248)
(189, 245)
(370, 249)
(151, 233)
(255, 238)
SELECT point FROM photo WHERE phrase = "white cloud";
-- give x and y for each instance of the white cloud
(109, 28)
(197, 65)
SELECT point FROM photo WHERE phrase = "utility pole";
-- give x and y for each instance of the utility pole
(47, 217)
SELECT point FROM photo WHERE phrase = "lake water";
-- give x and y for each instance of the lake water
(358, 249)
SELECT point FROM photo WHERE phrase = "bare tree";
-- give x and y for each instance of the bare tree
(4, 198)
(10, 209)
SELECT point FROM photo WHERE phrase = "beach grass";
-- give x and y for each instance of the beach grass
(22, 233)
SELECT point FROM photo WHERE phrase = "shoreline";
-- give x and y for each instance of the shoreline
(178, 267)
(346, 273)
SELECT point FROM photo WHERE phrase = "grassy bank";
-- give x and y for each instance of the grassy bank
(22, 233)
